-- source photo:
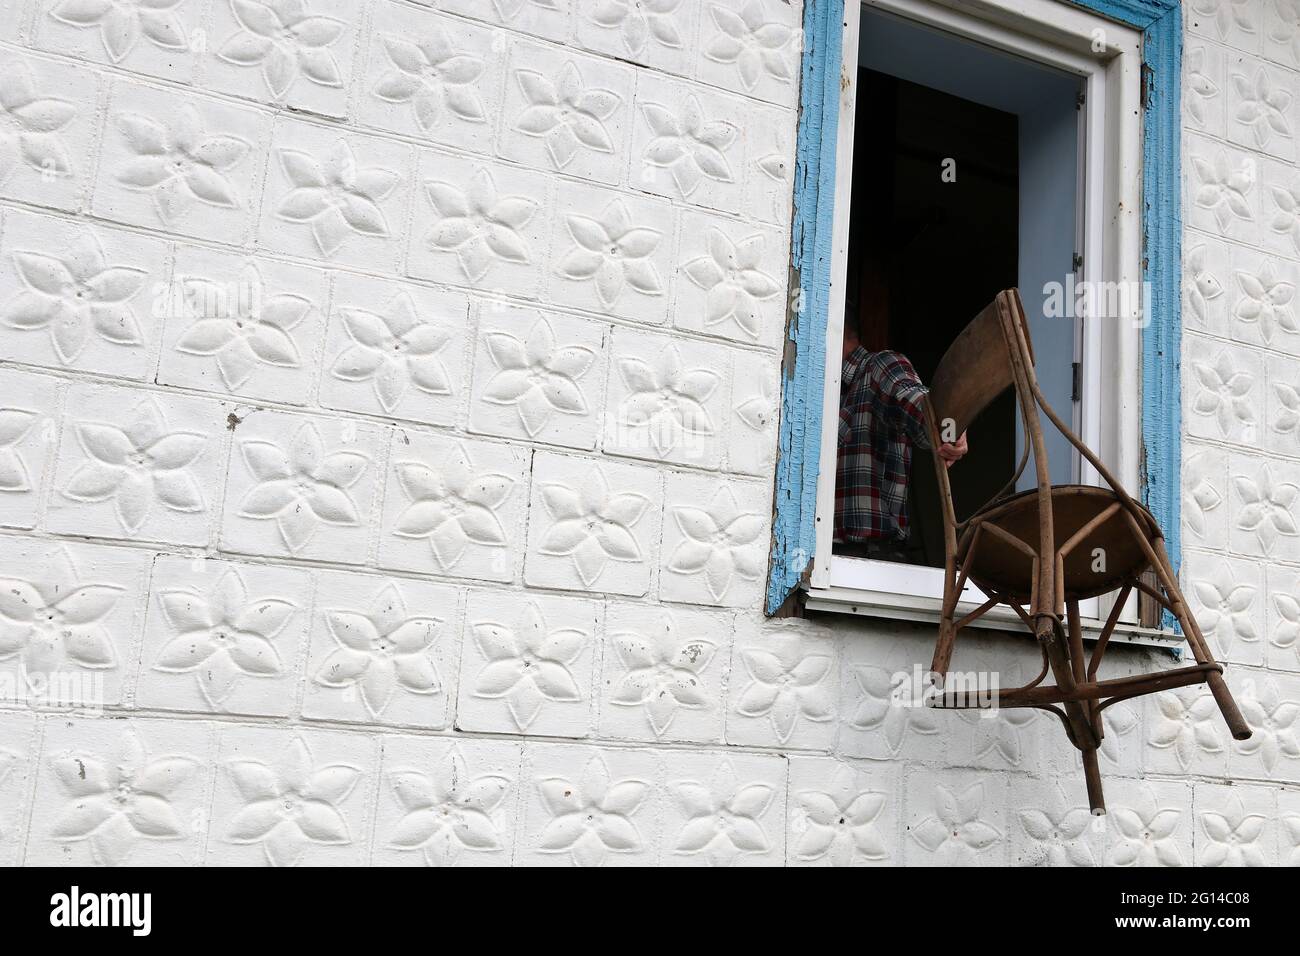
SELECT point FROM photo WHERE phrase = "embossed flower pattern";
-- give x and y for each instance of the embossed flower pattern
(613, 253)
(955, 826)
(1266, 302)
(1287, 632)
(841, 826)
(1187, 721)
(1272, 720)
(222, 636)
(137, 465)
(723, 818)
(286, 40)
(434, 78)
(1287, 421)
(290, 804)
(882, 705)
(1200, 87)
(527, 664)
(121, 23)
(1233, 836)
(15, 424)
(1059, 831)
(784, 686)
(748, 39)
(478, 225)
(691, 148)
(337, 199)
(115, 803)
(1223, 188)
(452, 505)
(1225, 611)
(1265, 506)
(381, 651)
(566, 114)
(1225, 13)
(1204, 286)
(592, 525)
(536, 375)
(75, 295)
(55, 619)
(177, 163)
(302, 487)
(719, 543)
(1224, 393)
(1146, 834)
(1262, 106)
(662, 672)
(448, 811)
(667, 399)
(639, 21)
(241, 331)
(393, 350)
(29, 125)
(731, 275)
(1286, 219)
(592, 817)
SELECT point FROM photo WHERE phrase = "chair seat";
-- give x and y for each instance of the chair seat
(996, 564)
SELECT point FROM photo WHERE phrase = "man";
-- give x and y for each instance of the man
(882, 416)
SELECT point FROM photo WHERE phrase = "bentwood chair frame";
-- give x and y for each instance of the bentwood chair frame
(1036, 552)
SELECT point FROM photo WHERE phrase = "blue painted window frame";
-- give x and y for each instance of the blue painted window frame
(795, 500)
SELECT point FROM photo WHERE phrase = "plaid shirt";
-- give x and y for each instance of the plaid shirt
(881, 417)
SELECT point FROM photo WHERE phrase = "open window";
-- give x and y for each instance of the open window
(980, 148)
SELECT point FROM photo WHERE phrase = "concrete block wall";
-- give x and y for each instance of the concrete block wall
(388, 399)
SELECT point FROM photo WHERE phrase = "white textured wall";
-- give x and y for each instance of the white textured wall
(452, 550)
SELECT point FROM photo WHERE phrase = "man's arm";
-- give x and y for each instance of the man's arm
(900, 398)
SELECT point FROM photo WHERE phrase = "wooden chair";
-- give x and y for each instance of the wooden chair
(1036, 551)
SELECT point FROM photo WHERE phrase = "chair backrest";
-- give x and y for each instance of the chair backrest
(982, 363)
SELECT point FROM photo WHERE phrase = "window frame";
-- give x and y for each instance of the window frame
(1132, 104)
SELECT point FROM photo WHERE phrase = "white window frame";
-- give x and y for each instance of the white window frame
(1108, 58)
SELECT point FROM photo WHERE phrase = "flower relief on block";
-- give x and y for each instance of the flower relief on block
(394, 350)
(591, 817)
(302, 486)
(431, 75)
(723, 818)
(478, 224)
(592, 525)
(122, 23)
(756, 45)
(667, 400)
(662, 672)
(786, 685)
(735, 284)
(243, 327)
(881, 708)
(290, 804)
(117, 802)
(223, 636)
(15, 425)
(452, 505)
(75, 295)
(691, 147)
(177, 163)
(613, 253)
(55, 619)
(30, 125)
(287, 41)
(839, 823)
(640, 22)
(382, 651)
(536, 375)
(137, 465)
(568, 115)
(719, 543)
(336, 198)
(528, 664)
(447, 811)
(955, 828)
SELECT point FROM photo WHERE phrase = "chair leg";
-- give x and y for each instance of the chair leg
(1092, 774)
(1200, 649)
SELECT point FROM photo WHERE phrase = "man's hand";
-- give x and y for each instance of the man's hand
(953, 451)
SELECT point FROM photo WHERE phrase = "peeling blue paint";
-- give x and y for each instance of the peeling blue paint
(793, 524)
(793, 527)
